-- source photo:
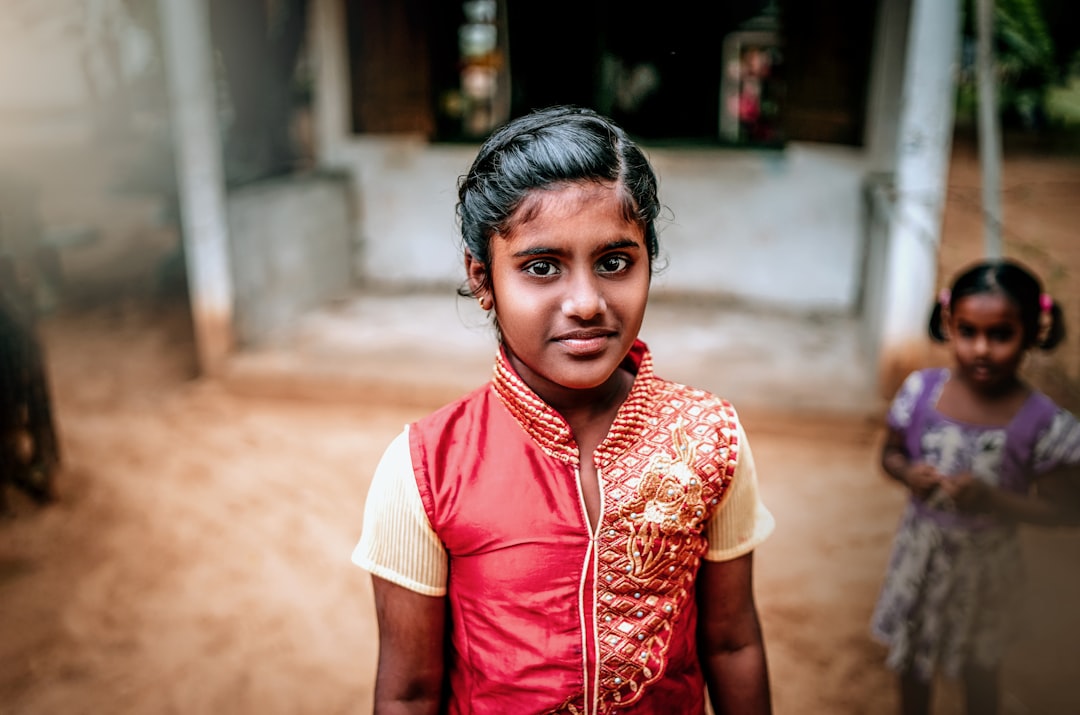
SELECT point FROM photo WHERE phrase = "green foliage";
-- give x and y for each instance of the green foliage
(1063, 102)
(1026, 65)
(1022, 41)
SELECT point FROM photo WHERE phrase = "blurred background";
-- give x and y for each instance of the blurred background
(227, 269)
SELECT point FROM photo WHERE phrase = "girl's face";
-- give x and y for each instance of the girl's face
(569, 285)
(988, 340)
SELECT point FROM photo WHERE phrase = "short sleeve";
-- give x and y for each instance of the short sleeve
(903, 405)
(742, 521)
(1059, 445)
(397, 542)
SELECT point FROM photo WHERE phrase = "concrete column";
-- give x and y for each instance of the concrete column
(886, 84)
(882, 126)
(924, 142)
(332, 91)
(185, 28)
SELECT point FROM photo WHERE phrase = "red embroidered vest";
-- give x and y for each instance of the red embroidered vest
(544, 617)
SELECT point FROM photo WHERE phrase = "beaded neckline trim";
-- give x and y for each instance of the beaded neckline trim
(552, 433)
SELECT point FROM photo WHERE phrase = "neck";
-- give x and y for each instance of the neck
(577, 405)
(587, 405)
(1001, 391)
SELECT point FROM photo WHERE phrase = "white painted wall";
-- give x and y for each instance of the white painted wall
(777, 228)
(41, 82)
(405, 191)
(773, 228)
(61, 59)
(289, 244)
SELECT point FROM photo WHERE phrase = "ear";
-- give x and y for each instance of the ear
(479, 281)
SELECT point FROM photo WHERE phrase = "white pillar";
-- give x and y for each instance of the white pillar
(332, 90)
(882, 127)
(185, 28)
(924, 142)
(886, 83)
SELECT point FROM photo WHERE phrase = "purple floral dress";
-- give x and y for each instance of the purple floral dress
(953, 584)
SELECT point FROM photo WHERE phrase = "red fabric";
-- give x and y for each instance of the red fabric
(544, 619)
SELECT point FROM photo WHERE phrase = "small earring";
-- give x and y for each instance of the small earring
(1046, 317)
(482, 300)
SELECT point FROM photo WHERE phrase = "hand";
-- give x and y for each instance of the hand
(968, 493)
(922, 479)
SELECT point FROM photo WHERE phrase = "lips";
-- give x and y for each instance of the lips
(585, 342)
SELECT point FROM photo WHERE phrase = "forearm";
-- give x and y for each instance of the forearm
(415, 706)
(409, 679)
(920, 479)
(731, 648)
(738, 680)
(895, 463)
(407, 686)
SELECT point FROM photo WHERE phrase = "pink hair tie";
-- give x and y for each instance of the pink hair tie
(944, 297)
(1046, 303)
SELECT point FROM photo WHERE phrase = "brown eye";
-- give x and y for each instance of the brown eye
(614, 264)
(541, 269)
(1002, 335)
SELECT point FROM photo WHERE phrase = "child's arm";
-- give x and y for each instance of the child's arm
(412, 627)
(920, 478)
(730, 644)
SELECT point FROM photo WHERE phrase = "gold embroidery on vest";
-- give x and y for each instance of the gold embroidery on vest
(667, 502)
(662, 491)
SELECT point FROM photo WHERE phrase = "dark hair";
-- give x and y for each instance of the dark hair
(546, 148)
(1017, 283)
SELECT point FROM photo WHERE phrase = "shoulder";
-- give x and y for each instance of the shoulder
(451, 431)
(919, 380)
(686, 401)
(702, 414)
(914, 390)
(1041, 415)
(1058, 436)
(450, 413)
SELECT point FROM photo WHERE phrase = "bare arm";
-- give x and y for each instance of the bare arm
(412, 632)
(919, 477)
(730, 644)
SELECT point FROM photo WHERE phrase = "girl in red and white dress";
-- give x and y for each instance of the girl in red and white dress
(577, 535)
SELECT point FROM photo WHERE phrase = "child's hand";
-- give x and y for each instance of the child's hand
(922, 479)
(968, 493)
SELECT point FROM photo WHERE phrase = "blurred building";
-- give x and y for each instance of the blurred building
(802, 145)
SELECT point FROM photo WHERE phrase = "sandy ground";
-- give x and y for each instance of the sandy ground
(197, 559)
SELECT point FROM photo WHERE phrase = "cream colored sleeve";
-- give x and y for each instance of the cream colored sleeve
(742, 521)
(397, 542)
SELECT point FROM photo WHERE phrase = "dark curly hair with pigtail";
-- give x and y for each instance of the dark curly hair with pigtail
(1018, 284)
(550, 148)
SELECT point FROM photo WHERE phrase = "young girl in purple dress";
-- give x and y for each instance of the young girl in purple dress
(981, 451)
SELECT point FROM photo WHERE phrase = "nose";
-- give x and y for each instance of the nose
(981, 345)
(584, 299)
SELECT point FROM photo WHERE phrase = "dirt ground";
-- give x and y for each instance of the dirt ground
(197, 558)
